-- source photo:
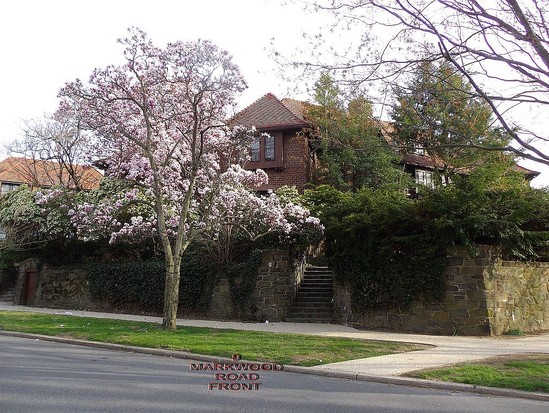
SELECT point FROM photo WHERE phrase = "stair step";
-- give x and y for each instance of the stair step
(318, 274)
(317, 271)
(309, 280)
(309, 320)
(308, 291)
(312, 300)
(309, 314)
(7, 298)
(304, 295)
(306, 307)
(314, 285)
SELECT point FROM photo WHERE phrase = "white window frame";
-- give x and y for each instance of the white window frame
(425, 178)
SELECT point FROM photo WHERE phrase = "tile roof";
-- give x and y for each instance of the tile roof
(44, 173)
(426, 162)
(269, 113)
(531, 174)
(297, 107)
(421, 160)
(387, 131)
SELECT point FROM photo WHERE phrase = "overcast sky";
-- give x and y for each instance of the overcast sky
(45, 43)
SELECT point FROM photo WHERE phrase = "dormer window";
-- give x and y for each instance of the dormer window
(416, 148)
(269, 148)
(256, 150)
(425, 178)
(266, 151)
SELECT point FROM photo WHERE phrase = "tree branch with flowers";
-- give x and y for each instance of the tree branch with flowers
(160, 120)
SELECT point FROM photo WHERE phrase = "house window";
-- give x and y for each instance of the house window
(266, 151)
(256, 150)
(269, 148)
(416, 148)
(425, 178)
(6, 187)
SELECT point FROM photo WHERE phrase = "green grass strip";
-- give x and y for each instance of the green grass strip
(522, 372)
(291, 349)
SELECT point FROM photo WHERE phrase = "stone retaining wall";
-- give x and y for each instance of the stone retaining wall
(519, 297)
(484, 296)
(275, 288)
(63, 287)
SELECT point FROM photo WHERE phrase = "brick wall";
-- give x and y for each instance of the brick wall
(296, 169)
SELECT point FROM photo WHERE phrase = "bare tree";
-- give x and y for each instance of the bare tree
(500, 46)
(51, 152)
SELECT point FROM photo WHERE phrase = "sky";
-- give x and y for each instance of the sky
(45, 43)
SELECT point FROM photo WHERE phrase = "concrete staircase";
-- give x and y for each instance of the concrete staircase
(8, 296)
(313, 302)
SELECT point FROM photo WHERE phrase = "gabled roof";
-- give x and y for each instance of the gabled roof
(269, 113)
(40, 173)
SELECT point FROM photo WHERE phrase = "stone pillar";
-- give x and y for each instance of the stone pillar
(343, 311)
(275, 287)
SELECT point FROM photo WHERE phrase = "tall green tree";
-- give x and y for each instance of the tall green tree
(349, 147)
(436, 115)
(501, 47)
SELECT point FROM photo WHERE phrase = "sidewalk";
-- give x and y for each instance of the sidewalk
(447, 350)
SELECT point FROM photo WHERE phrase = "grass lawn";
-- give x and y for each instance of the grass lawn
(528, 372)
(295, 349)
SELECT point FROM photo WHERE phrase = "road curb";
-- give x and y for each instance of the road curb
(316, 371)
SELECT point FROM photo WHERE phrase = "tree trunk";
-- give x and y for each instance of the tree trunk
(171, 295)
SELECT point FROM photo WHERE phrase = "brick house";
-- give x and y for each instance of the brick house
(285, 154)
(15, 171)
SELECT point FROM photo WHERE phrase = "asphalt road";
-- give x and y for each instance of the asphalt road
(42, 377)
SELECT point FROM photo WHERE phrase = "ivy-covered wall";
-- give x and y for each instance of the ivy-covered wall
(273, 291)
(483, 296)
(259, 288)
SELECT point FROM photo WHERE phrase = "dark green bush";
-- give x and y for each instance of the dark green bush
(377, 241)
(141, 283)
(392, 248)
(242, 280)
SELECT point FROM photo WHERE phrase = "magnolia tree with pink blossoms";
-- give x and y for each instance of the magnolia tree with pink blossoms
(159, 118)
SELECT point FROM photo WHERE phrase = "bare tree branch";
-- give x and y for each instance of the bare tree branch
(500, 46)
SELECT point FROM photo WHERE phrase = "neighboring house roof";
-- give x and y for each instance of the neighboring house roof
(421, 160)
(45, 173)
(387, 131)
(269, 113)
(529, 173)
